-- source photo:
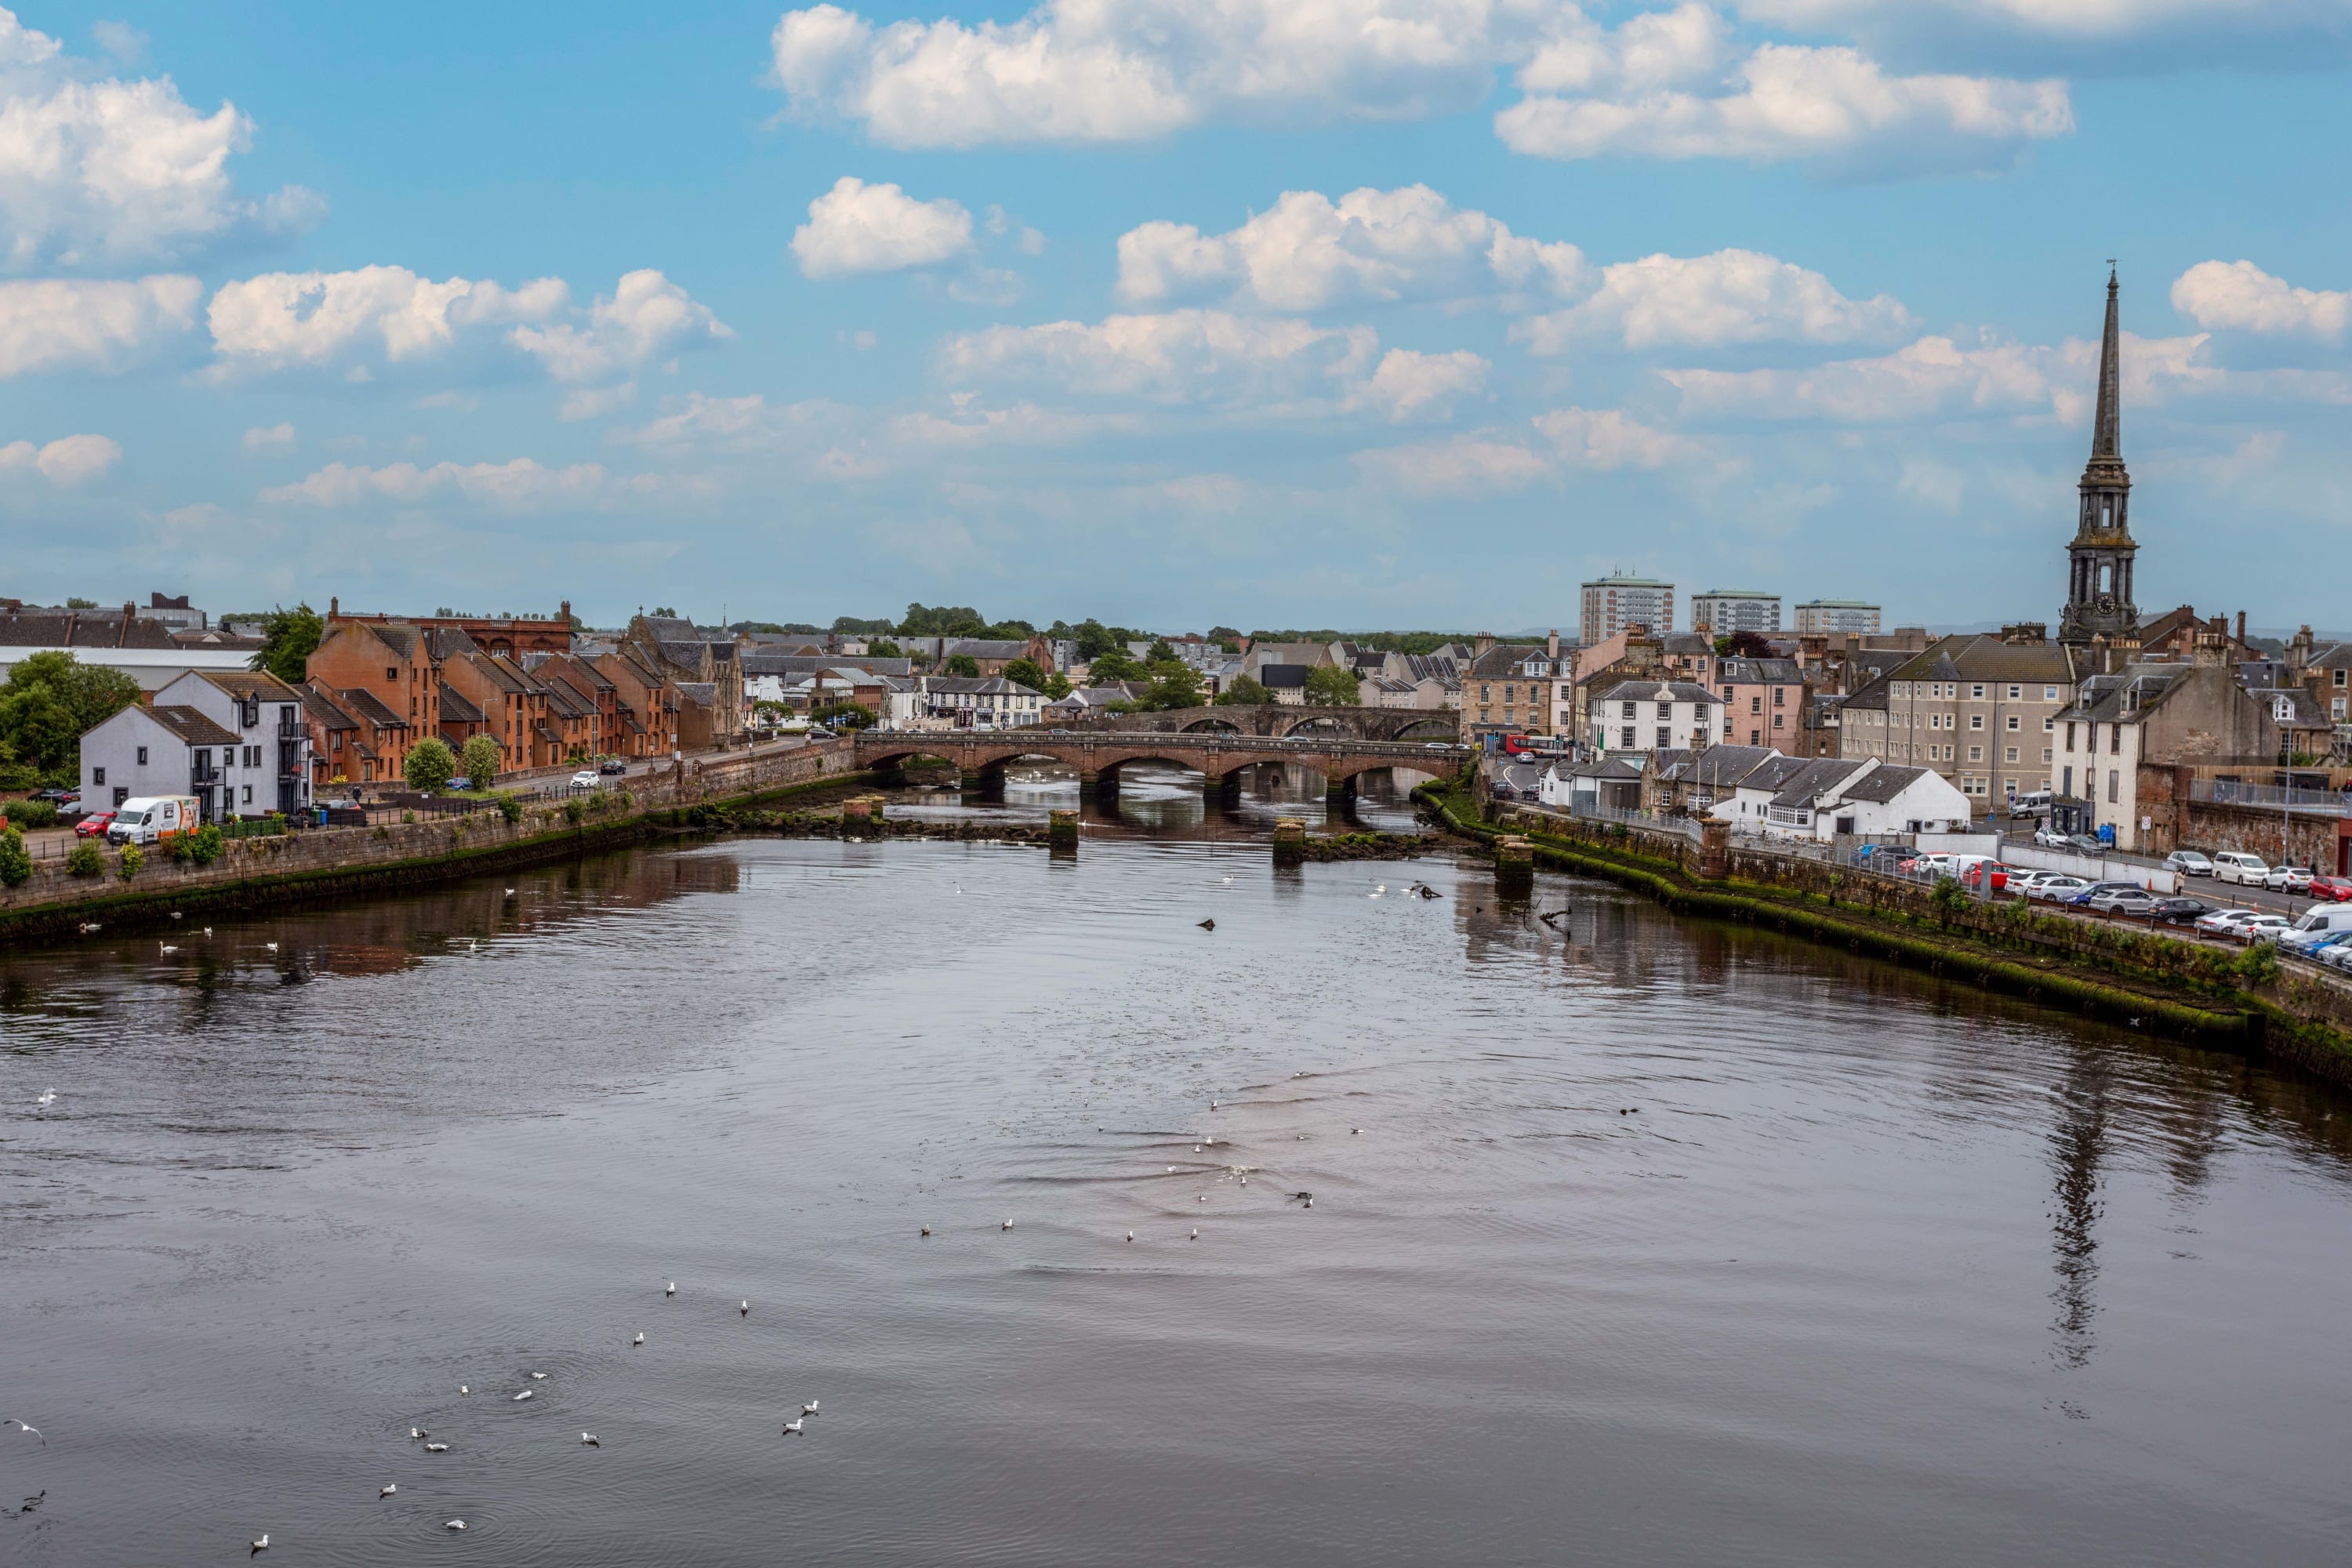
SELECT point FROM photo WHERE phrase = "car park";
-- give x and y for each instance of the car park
(2188, 863)
(2059, 889)
(2234, 866)
(2318, 921)
(2180, 911)
(2120, 902)
(2289, 878)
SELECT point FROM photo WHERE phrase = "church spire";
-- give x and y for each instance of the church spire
(2107, 437)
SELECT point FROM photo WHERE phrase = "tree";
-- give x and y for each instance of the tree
(944, 620)
(664, 612)
(1225, 638)
(885, 648)
(1174, 684)
(962, 664)
(851, 625)
(1159, 651)
(1243, 691)
(1056, 687)
(1025, 672)
(16, 866)
(843, 715)
(81, 604)
(1743, 645)
(1096, 639)
(1115, 664)
(1329, 686)
(430, 766)
(49, 701)
(479, 761)
(288, 639)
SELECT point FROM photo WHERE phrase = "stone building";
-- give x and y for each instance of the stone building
(2100, 560)
(1981, 710)
(2125, 738)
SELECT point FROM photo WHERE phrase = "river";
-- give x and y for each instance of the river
(1632, 1240)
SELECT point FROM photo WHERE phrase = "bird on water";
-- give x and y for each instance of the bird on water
(437, 1447)
(387, 1491)
(810, 1408)
(792, 1427)
(638, 1340)
(746, 1309)
(455, 1524)
(671, 1289)
(523, 1395)
(1006, 1225)
(588, 1440)
(262, 1544)
(463, 1389)
(927, 1230)
(539, 1377)
(416, 1434)
(49, 1098)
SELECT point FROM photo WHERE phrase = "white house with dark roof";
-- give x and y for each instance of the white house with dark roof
(270, 766)
(1821, 798)
(166, 749)
(1640, 714)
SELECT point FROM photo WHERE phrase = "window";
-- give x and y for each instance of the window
(2340, 677)
(2070, 735)
(392, 675)
(2048, 723)
(121, 795)
(2113, 777)
(2114, 739)
(1779, 697)
(2049, 694)
(2012, 722)
(1779, 719)
(97, 776)
(2012, 755)
(2045, 757)
(1977, 690)
(142, 756)
(1627, 742)
(1666, 710)
(1665, 737)
(1756, 703)
(1755, 737)
(248, 795)
(1630, 710)
(1699, 715)
(1976, 753)
(2015, 693)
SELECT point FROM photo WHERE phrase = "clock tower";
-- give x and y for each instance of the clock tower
(2099, 560)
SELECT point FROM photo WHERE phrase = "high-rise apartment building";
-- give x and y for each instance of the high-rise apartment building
(1726, 610)
(1612, 604)
(1848, 616)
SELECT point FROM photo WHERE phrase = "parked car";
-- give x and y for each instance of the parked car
(460, 783)
(2338, 956)
(2316, 922)
(2232, 866)
(2121, 902)
(2188, 863)
(2083, 844)
(2222, 922)
(2336, 889)
(93, 825)
(2312, 943)
(2180, 911)
(2034, 805)
(2262, 928)
(2288, 878)
(586, 778)
(1974, 876)
(2049, 838)
(613, 766)
(56, 797)
(2059, 889)
(2094, 889)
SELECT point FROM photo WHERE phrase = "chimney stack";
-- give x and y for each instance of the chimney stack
(2242, 628)
(1551, 645)
(1482, 644)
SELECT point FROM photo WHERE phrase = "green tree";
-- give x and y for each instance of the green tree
(1025, 672)
(81, 604)
(848, 625)
(1174, 684)
(49, 701)
(664, 613)
(961, 663)
(1116, 665)
(1096, 639)
(1243, 691)
(1224, 636)
(16, 866)
(288, 639)
(1743, 645)
(430, 766)
(883, 648)
(479, 761)
(1329, 686)
(943, 621)
(1056, 687)
(844, 716)
(86, 860)
(1158, 652)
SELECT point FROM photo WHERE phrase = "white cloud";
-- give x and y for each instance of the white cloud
(647, 317)
(2066, 20)
(518, 486)
(1184, 356)
(100, 173)
(1409, 384)
(595, 402)
(1609, 439)
(1791, 102)
(65, 324)
(262, 438)
(1309, 252)
(1465, 465)
(1730, 297)
(1649, 51)
(2241, 296)
(1936, 376)
(68, 460)
(857, 227)
(285, 318)
(1115, 70)
(970, 426)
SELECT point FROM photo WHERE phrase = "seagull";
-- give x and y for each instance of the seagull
(262, 1544)
(208, 930)
(270, 945)
(455, 1524)
(1195, 1236)
(810, 1408)
(1209, 925)
(167, 947)
(588, 1440)
(176, 915)
(1213, 1105)
(671, 1289)
(437, 1447)
(387, 1491)
(523, 1395)
(1246, 1181)
(1130, 1236)
(30, 1430)
(638, 1340)
(47, 1099)
(510, 892)
(1196, 1148)
(792, 1427)
(539, 1377)
(1353, 1130)
(745, 1309)
(416, 1434)
(1006, 1225)
(1310, 1203)
(463, 1389)
(927, 1230)
(1227, 882)
(1202, 1198)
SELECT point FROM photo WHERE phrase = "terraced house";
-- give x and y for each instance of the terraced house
(1516, 688)
(1981, 710)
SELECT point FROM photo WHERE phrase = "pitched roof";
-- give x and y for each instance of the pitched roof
(455, 705)
(1817, 778)
(705, 692)
(81, 628)
(1648, 689)
(250, 683)
(318, 701)
(363, 703)
(1773, 771)
(1883, 783)
(1716, 767)
(1762, 671)
(190, 725)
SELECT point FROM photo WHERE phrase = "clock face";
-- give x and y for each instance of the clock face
(2106, 604)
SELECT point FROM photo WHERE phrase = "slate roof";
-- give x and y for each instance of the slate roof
(1773, 771)
(757, 663)
(1814, 779)
(1883, 783)
(81, 628)
(329, 713)
(1716, 767)
(1649, 688)
(706, 693)
(365, 704)
(1762, 671)
(250, 683)
(454, 706)
(190, 725)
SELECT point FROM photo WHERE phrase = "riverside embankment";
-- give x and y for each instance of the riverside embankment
(289, 869)
(2140, 979)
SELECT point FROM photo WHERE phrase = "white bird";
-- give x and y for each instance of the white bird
(588, 1440)
(416, 1434)
(1213, 1105)
(1006, 1225)
(208, 930)
(47, 1098)
(1202, 1198)
(927, 1230)
(262, 1544)
(638, 1340)
(437, 1447)
(1246, 1181)
(1310, 1203)
(176, 915)
(1171, 1169)
(793, 1428)
(463, 1389)
(810, 1408)
(1354, 1129)
(523, 1395)
(30, 1430)
(387, 1491)
(167, 947)
(510, 892)
(1195, 1236)
(1196, 1148)
(270, 945)
(1130, 1236)
(455, 1524)
(671, 1289)
(745, 1309)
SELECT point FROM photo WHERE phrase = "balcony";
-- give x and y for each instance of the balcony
(202, 777)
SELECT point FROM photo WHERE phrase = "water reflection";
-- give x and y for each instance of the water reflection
(1158, 801)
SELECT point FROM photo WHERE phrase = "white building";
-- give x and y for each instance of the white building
(145, 750)
(1822, 799)
(1828, 616)
(990, 702)
(1611, 603)
(1727, 610)
(1644, 715)
(269, 767)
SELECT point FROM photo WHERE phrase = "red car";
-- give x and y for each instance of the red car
(2336, 888)
(1976, 875)
(93, 825)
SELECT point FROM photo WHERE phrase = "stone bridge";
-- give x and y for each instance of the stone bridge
(1220, 757)
(1276, 720)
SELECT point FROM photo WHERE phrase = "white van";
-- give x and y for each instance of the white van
(2247, 870)
(2037, 804)
(151, 819)
(2316, 922)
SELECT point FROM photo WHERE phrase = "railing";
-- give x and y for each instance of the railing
(2275, 797)
(1690, 827)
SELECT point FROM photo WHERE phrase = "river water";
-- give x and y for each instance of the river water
(1634, 1240)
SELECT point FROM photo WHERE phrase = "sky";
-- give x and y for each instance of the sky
(1356, 313)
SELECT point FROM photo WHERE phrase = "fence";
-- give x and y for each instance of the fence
(2275, 797)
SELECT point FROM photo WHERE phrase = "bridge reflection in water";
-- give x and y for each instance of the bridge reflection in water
(1156, 800)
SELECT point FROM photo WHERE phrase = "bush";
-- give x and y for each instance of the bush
(205, 845)
(1949, 898)
(510, 808)
(479, 761)
(30, 813)
(16, 866)
(132, 857)
(178, 849)
(86, 860)
(430, 765)
(574, 809)
(2258, 965)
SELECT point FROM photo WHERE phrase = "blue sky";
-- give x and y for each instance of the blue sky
(1365, 312)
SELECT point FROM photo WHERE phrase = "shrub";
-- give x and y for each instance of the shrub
(16, 866)
(407, 816)
(479, 761)
(177, 849)
(574, 809)
(30, 813)
(2258, 965)
(132, 857)
(510, 808)
(1949, 898)
(86, 860)
(430, 765)
(205, 845)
